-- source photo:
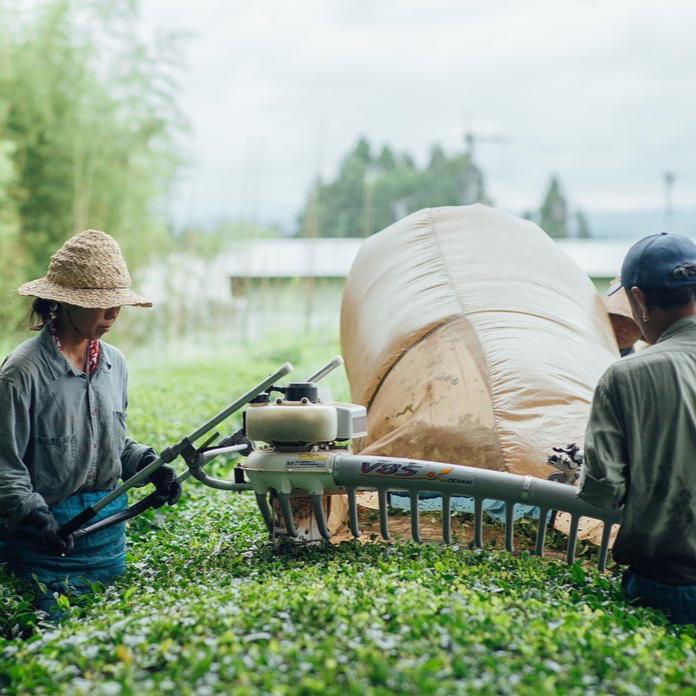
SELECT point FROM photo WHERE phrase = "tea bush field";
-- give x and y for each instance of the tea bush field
(207, 608)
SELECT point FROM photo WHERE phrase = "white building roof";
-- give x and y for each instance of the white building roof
(293, 258)
(599, 258)
(332, 258)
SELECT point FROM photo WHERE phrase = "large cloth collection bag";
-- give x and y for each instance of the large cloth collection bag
(472, 338)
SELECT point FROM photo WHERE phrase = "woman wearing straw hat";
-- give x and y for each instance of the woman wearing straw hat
(63, 442)
(626, 331)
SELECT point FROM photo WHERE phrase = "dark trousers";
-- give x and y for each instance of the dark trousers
(96, 558)
(677, 602)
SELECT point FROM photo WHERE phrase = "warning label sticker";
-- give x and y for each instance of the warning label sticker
(307, 459)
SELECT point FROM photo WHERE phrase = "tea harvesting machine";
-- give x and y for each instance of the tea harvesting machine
(295, 447)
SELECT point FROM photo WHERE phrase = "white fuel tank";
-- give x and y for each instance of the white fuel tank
(292, 422)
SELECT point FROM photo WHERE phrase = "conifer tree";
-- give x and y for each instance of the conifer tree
(553, 214)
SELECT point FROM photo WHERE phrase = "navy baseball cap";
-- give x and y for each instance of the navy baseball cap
(659, 261)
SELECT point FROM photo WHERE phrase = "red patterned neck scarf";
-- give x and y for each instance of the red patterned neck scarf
(93, 350)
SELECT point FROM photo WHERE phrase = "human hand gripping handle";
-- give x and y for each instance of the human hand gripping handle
(43, 520)
(167, 487)
(169, 454)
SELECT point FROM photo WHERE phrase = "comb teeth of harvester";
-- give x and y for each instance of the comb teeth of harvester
(352, 474)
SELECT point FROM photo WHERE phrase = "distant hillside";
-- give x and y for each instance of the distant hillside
(635, 224)
(632, 224)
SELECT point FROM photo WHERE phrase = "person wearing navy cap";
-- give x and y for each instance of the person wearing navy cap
(640, 442)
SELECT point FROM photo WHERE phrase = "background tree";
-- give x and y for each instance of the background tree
(373, 191)
(553, 215)
(582, 226)
(88, 131)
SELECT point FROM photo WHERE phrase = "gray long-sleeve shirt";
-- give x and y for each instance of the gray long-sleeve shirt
(640, 452)
(61, 430)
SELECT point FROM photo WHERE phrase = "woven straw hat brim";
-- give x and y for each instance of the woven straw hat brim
(618, 304)
(89, 298)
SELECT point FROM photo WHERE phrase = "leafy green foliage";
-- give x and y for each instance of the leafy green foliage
(374, 190)
(88, 128)
(582, 225)
(206, 607)
(553, 214)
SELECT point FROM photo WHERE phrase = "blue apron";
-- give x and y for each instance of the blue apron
(98, 557)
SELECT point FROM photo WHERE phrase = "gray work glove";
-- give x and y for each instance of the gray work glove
(168, 489)
(42, 519)
(568, 461)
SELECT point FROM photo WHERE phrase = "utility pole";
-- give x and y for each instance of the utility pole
(668, 178)
(471, 138)
(473, 188)
(312, 224)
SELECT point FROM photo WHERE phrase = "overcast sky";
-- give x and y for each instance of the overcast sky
(602, 92)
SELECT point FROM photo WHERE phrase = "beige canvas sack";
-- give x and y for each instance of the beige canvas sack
(472, 338)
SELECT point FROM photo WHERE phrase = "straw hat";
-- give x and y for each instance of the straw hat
(87, 271)
(618, 302)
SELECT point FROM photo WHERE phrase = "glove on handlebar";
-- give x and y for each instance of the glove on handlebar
(43, 520)
(168, 489)
(568, 461)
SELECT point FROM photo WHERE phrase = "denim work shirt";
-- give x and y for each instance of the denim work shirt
(61, 431)
(640, 453)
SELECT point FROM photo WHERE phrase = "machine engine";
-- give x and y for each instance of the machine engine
(302, 434)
